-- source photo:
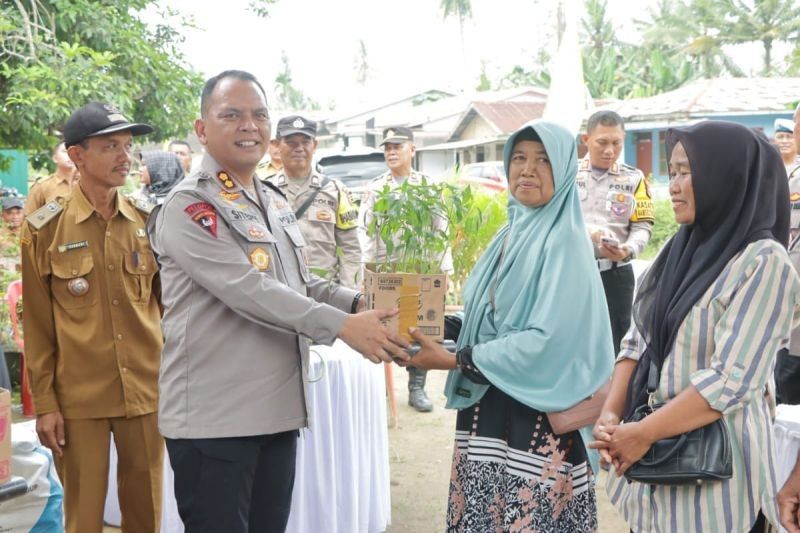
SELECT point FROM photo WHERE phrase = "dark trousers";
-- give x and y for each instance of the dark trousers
(236, 484)
(619, 284)
(787, 378)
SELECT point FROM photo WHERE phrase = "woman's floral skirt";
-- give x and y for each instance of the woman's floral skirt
(512, 474)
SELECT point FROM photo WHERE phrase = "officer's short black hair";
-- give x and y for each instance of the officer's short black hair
(605, 118)
(211, 84)
(178, 143)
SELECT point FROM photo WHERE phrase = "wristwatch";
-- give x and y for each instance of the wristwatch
(354, 306)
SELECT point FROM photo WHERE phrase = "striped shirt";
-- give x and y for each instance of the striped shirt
(726, 349)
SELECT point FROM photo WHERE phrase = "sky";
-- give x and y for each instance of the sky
(410, 47)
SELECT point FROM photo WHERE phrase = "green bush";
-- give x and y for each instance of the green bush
(664, 228)
(485, 216)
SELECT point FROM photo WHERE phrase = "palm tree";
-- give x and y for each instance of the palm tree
(698, 28)
(462, 10)
(764, 21)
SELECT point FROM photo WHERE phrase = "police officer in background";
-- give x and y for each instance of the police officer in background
(787, 364)
(239, 304)
(184, 153)
(618, 211)
(784, 141)
(57, 185)
(322, 205)
(92, 333)
(271, 167)
(398, 149)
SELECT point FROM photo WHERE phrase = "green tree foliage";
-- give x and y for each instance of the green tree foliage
(288, 95)
(663, 229)
(486, 214)
(766, 22)
(680, 41)
(56, 55)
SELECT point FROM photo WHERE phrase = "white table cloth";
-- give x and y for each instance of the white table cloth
(787, 442)
(342, 480)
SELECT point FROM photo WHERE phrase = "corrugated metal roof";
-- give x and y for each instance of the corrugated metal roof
(716, 96)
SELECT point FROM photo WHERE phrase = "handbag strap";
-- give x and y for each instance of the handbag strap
(653, 376)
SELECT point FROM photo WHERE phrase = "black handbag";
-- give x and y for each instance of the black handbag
(703, 454)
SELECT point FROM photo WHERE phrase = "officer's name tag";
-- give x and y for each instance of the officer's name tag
(72, 246)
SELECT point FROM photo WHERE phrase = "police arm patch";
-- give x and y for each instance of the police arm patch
(347, 213)
(204, 215)
(644, 210)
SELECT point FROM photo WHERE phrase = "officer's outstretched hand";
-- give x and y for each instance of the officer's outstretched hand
(50, 428)
(365, 333)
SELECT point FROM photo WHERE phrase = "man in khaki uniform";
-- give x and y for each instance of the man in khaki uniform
(184, 153)
(398, 149)
(787, 364)
(57, 185)
(268, 169)
(9, 233)
(618, 211)
(239, 307)
(322, 205)
(92, 334)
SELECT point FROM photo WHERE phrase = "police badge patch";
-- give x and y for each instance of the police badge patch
(204, 215)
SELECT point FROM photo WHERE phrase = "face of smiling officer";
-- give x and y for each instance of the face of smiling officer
(235, 127)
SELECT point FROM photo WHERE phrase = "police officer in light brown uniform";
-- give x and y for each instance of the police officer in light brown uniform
(58, 185)
(239, 306)
(322, 205)
(92, 334)
(793, 174)
(618, 211)
(787, 364)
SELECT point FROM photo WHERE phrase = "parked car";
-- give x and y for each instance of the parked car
(354, 169)
(488, 175)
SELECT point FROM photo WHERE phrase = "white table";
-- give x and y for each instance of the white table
(342, 480)
(787, 442)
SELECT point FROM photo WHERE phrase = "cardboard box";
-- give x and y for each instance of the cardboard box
(420, 298)
(5, 436)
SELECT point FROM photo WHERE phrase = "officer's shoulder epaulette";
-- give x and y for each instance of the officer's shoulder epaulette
(141, 205)
(40, 179)
(45, 214)
(378, 181)
(629, 169)
(274, 188)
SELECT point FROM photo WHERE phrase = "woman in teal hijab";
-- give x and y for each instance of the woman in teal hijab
(535, 339)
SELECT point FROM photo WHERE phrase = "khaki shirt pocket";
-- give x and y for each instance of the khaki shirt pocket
(140, 268)
(73, 281)
(299, 243)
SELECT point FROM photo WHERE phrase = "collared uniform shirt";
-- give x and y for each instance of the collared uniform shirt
(264, 171)
(373, 250)
(617, 201)
(92, 335)
(793, 174)
(46, 190)
(239, 307)
(330, 221)
(726, 349)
